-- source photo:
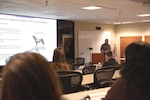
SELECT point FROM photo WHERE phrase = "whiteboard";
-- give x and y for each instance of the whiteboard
(90, 39)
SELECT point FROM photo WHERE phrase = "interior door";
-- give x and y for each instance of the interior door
(84, 44)
(125, 41)
(147, 39)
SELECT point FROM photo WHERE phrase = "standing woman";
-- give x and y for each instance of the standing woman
(134, 83)
(59, 60)
(28, 76)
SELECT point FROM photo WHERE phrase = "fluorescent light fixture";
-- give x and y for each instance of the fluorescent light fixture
(92, 7)
(144, 15)
(116, 23)
(145, 20)
(126, 22)
(121, 22)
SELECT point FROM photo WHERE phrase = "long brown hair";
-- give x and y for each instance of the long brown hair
(137, 67)
(29, 76)
(59, 59)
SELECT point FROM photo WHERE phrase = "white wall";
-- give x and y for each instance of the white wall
(91, 27)
(90, 39)
(139, 29)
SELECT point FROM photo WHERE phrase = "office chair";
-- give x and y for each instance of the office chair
(70, 81)
(69, 60)
(88, 69)
(103, 77)
(88, 64)
(80, 61)
(75, 66)
(118, 66)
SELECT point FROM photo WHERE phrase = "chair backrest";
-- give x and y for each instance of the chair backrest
(80, 61)
(75, 66)
(69, 60)
(118, 66)
(103, 74)
(88, 64)
(88, 69)
(70, 80)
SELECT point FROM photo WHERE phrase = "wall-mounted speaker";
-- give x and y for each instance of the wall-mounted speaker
(98, 28)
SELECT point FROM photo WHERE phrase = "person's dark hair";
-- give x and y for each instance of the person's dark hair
(137, 67)
(28, 76)
(106, 40)
(109, 54)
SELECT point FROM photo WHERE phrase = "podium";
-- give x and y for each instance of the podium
(97, 57)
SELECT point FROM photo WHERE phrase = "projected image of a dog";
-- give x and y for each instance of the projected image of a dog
(38, 40)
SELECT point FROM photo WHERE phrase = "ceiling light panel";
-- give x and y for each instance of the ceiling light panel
(144, 15)
(92, 7)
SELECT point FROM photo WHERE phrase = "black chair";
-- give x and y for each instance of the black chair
(70, 81)
(69, 60)
(80, 61)
(88, 69)
(119, 66)
(103, 77)
(88, 64)
(75, 66)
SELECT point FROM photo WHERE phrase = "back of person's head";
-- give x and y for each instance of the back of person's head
(137, 61)
(59, 55)
(109, 54)
(137, 68)
(29, 76)
(59, 60)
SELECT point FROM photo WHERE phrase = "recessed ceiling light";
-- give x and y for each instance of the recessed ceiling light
(121, 22)
(145, 20)
(144, 15)
(116, 23)
(92, 7)
(126, 22)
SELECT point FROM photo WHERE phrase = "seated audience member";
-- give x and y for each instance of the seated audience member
(27, 76)
(134, 83)
(110, 59)
(59, 60)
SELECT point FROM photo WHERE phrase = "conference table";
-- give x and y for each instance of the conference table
(95, 94)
